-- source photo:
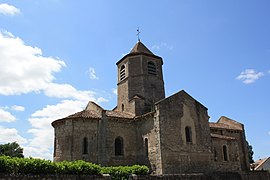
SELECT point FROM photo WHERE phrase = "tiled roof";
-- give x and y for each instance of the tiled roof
(119, 114)
(85, 114)
(140, 48)
(222, 137)
(224, 126)
(260, 162)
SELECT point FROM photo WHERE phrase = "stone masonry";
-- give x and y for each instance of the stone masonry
(171, 135)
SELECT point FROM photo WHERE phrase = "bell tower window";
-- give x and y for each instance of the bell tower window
(152, 70)
(122, 72)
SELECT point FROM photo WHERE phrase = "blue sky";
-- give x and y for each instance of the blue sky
(56, 55)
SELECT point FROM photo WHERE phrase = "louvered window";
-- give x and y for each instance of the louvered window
(152, 68)
(122, 72)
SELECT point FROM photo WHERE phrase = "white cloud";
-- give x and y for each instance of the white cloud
(42, 130)
(8, 135)
(92, 73)
(162, 45)
(17, 108)
(64, 108)
(101, 99)
(37, 152)
(249, 76)
(6, 116)
(7, 9)
(114, 91)
(23, 69)
(68, 91)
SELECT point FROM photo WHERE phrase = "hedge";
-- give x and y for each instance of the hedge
(11, 165)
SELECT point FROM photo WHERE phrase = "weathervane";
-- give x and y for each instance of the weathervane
(138, 34)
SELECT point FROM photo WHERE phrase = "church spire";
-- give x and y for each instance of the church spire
(140, 48)
(138, 34)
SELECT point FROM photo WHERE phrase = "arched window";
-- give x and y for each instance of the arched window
(119, 146)
(188, 134)
(85, 145)
(122, 72)
(225, 153)
(152, 68)
(146, 146)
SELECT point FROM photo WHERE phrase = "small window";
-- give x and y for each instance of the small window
(188, 134)
(152, 68)
(215, 154)
(225, 153)
(123, 107)
(122, 72)
(54, 151)
(146, 146)
(119, 146)
(85, 145)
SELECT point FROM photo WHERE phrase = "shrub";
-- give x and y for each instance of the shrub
(11, 165)
(8, 164)
(78, 167)
(123, 172)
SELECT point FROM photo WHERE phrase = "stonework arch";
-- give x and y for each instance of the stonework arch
(187, 122)
(119, 146)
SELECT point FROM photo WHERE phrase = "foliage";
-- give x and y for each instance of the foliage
(11, 149)
(11, 165)
(250, 153)
(122, 172)
(78, 167)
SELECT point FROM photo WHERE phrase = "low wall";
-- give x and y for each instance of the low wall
(53, 177)
(255, 175)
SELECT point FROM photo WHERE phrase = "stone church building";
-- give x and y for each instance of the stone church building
(169, 134)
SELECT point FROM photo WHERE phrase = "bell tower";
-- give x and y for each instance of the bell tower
(140, 80)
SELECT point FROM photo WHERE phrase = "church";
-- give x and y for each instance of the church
(171, 135)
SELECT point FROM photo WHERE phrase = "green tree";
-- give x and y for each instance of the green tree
(11, 149)
(250, 153)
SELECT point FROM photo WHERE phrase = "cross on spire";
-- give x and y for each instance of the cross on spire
(138, 34)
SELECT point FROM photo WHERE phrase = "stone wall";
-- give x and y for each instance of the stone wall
(101, 135)
(241, 139)
(233, 160)
(137, 82)
(147, 142)
(69, 135)
(198, 176)
(127, 130)
(177, 155)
